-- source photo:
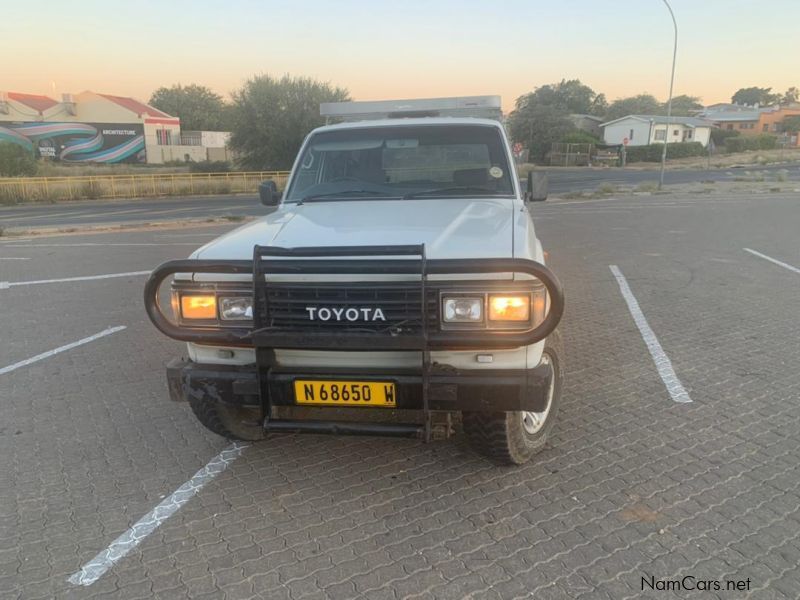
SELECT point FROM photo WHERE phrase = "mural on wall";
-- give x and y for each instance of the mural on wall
(79, 142)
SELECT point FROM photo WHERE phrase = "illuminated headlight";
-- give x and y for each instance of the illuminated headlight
(508, 307)
(235, 308)
(462, 310)
(198, 306)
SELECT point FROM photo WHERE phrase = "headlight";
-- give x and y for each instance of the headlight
(504, 307)
(235, 308)
(520, 309)
(462, 309)
(198, 306)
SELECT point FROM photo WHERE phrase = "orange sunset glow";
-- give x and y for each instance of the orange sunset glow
(427, 49)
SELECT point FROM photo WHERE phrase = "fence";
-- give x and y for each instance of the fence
(54, 189)
(571, 155)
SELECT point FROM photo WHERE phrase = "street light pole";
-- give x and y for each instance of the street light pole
(669, 101)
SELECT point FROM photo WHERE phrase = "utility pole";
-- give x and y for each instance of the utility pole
(669, 101)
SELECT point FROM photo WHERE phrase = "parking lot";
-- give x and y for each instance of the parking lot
(639, 480)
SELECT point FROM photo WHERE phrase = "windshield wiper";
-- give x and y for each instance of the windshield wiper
(469, 189)
(335, 195)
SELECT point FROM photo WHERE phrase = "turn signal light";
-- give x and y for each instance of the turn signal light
(199, 307)
(509, 308)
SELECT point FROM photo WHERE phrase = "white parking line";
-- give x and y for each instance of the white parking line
(772, 260)
(95, 568)
(663, 364)
(59, 350)
(10, 284)
(12, 258)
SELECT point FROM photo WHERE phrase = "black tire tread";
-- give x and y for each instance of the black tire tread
(227, 421)
(498, 437)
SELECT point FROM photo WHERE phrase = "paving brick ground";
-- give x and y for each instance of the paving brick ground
(632, 485)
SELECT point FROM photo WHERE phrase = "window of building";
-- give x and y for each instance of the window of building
(630, 136)
(660, 134)
(164, 137)
(765, 127)
(729, 127)
(689, 134)
(676, 133)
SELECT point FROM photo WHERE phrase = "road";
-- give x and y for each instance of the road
(77, 214)
(633, 483)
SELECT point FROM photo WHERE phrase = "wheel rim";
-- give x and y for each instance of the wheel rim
(534, 421)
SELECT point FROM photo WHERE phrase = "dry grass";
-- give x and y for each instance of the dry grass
(607, 188)
(57, 189)
(52, 169)
(647, 186)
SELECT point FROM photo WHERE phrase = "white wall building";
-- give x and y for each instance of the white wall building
(641, 130)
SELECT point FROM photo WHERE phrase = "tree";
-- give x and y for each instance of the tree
(683, 106)
(537, 127)
(791, 96)
(198, 108)
(16, 161)
(643, 104)
(567, 96)
(755, 95)
(791, 124)
(271, 116)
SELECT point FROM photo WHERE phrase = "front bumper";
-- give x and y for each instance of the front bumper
(448, 389)
(431, 388)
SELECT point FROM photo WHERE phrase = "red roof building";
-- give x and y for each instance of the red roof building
(36, 102)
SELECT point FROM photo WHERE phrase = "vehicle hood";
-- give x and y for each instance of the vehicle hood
(449, 227)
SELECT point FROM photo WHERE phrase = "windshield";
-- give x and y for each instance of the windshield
(403, 162)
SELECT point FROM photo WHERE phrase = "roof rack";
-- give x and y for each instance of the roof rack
(484, 107)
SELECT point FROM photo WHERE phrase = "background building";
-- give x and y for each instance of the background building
(754, 120)
(641, 130)
(588, 123)
(101, 128)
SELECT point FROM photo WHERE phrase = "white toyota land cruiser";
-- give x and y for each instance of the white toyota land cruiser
(399, 281)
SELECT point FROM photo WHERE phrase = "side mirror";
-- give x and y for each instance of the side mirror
(268, 192)
(537, 186)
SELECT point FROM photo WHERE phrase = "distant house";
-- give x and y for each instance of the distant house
(733, 117)
(588, 123)
(771, 121)
(641, 130)
(752, 120)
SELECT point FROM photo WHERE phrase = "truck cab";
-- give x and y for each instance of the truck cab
(397, 288)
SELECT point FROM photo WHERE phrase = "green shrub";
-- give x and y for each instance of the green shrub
(767, 141)
(210, 166)
(15, 161)
(652, 152)
(763, 141)
(719, 136)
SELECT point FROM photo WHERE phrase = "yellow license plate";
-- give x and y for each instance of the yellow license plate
(345, 393)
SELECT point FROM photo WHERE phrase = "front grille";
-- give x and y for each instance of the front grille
(400, 303)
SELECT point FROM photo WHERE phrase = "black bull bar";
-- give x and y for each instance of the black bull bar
(350, 260)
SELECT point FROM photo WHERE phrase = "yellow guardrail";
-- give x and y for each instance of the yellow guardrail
(54, 189)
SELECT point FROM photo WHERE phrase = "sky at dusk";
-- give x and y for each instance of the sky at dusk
(416, 48)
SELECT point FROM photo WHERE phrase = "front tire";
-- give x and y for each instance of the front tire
(512, 438)
(231, 422)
